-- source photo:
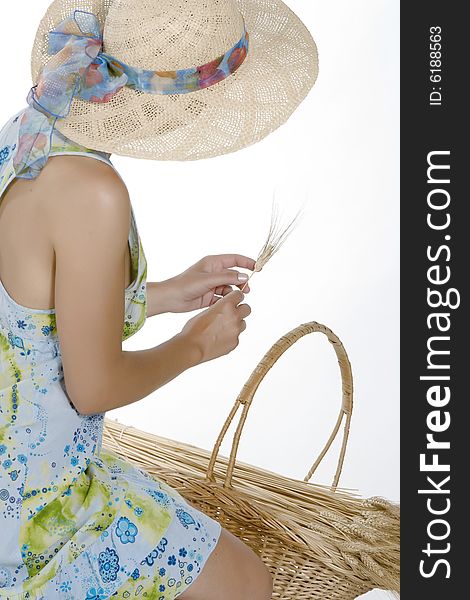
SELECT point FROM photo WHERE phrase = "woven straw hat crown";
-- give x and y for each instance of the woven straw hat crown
(167, 35)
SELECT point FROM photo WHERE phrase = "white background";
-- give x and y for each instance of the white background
(339, 151)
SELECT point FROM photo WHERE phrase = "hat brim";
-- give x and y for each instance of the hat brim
(278, 72)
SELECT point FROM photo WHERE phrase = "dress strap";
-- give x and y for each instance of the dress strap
(60, 144)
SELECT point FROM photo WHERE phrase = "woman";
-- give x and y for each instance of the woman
(78, 521)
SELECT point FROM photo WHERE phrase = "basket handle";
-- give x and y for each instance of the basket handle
(247, 393)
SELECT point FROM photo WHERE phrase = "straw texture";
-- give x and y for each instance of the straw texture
(317, 541)
(280, 69)
(277, 235)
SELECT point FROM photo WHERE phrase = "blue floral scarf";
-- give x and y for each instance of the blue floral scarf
(79, 68)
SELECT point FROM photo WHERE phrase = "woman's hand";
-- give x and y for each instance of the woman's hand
(200, 286)
(215, 331)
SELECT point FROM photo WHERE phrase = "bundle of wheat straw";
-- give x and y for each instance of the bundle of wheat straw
(318, 542)
(277, 235)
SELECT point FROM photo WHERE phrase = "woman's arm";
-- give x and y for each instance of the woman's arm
(89, 230)
(156, 304)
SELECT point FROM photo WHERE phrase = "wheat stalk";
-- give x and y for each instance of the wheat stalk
(277, 235)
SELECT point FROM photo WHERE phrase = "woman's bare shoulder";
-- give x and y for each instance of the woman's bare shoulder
(80, 189)
(86, 172)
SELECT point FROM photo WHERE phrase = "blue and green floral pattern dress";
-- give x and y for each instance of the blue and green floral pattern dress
(78, 522)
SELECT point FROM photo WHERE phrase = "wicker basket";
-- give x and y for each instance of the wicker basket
(317, 541)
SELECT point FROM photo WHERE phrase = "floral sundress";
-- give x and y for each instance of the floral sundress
(78, 522)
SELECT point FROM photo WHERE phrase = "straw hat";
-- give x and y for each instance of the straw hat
(165, 35)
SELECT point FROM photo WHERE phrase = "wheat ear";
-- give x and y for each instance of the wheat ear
(277, 235)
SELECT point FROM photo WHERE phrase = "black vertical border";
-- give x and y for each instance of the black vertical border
(424, 129)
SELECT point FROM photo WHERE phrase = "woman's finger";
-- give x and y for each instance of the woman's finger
(244, 310)
(226, 261)
(223, 290)
(220, 292)
(244, 288)
(226, 277)
(226, 290)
